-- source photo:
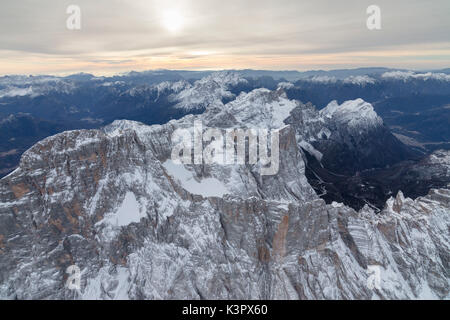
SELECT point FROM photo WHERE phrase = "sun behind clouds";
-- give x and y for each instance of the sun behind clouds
(172, 20)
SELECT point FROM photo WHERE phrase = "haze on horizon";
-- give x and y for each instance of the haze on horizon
(124, 35)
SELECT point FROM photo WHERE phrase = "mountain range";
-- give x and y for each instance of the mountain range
(361, 186)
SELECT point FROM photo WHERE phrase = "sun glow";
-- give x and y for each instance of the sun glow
(172, 20)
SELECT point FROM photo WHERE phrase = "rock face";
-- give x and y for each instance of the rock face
(110, 202)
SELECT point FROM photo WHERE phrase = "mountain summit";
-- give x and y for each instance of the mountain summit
(138, 226)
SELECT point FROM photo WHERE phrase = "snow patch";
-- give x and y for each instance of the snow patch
(359, 80)
(127, 213)
(17, 92)
(208, 187)
(311, 150)
(285, 85)
(116, 285)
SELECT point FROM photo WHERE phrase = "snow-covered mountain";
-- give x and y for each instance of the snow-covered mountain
(414, 105)
(410, 75)
(112, 202)
(360, 80)
(34, 88)
(355, 114)
(365, 79)
(209, 90)
(349, 137)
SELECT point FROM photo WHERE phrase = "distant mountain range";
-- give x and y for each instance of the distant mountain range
(414, 105)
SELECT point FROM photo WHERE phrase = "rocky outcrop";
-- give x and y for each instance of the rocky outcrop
(106, 201)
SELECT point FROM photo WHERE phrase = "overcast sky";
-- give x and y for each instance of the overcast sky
(124, 35)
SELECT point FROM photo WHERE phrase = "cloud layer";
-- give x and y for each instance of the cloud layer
(119, 35)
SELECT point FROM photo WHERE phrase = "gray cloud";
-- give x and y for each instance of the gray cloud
(120, 30)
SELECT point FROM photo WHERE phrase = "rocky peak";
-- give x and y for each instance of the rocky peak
(355, 114)
(208, 91)
(139, 227)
